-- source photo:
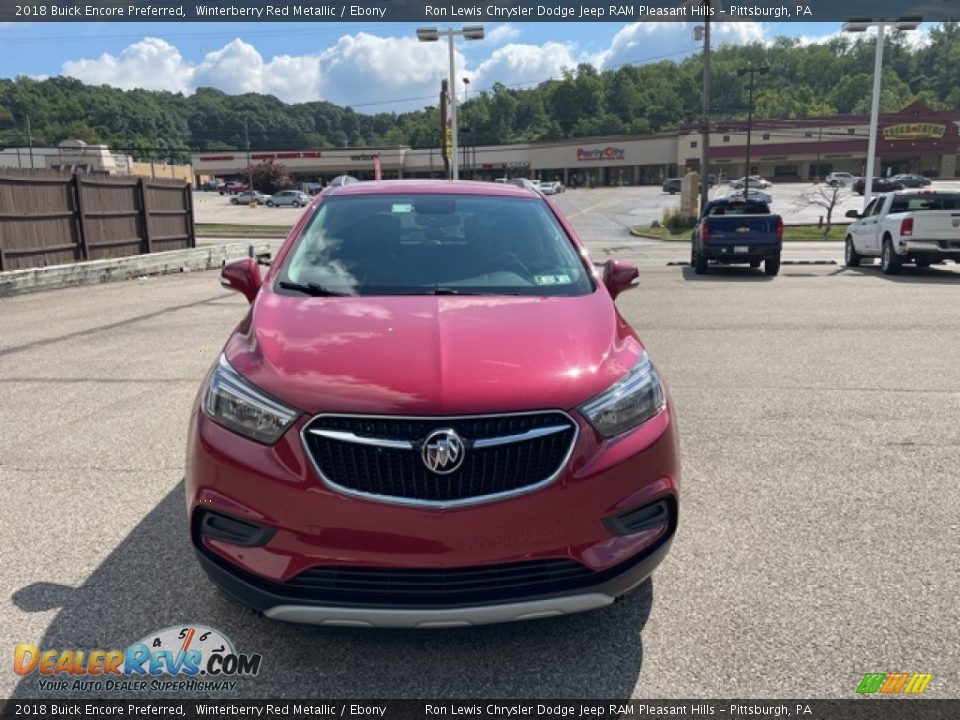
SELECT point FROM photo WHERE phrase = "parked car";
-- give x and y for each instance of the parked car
(233, 187)
(525, 183)
(246, 197)
(758, 195)
(908, 180)
(553, 187)
(840, 179)
(212, 185)
(293, 198)
(672, 185)
(312, 188)
(755, 181)
(918, 226)
(733, 231)
(880, 185)
(479, 480)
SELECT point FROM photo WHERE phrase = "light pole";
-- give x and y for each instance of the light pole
(432, 34)
(861, 25)
(466, 127)
(704, 34)
(751, 71)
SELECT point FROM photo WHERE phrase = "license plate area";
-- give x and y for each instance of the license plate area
(741, 248)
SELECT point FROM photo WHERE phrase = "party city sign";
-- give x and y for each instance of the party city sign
(601, 153)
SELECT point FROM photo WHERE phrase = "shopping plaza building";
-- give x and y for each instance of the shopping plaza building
(916, 139)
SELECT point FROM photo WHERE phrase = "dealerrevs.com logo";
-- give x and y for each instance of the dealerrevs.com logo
(185, 658)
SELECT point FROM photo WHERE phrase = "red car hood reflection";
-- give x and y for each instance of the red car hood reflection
(437, 355)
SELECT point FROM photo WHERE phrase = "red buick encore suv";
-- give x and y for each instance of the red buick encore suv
(432, 415)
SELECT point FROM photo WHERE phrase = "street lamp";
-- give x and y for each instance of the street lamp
(751, 71)
(432, 34)
(861, 25)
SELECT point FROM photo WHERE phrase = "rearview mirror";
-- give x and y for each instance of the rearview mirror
(853, 214)
(242, 276)
(619, 276)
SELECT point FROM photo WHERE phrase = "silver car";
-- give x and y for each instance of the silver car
(293, 198)
(246, 197)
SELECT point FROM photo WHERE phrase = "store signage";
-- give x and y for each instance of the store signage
(364, 157)
(306, 154)
(914, 131)
(601, 153)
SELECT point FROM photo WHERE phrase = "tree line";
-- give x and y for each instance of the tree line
(805, 80)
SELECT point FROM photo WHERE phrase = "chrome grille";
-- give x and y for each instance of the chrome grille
(380, 457)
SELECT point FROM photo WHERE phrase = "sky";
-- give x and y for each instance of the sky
(369, 66)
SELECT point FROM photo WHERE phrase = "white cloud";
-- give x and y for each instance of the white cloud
(375, 73)
(152, 64)
(502, 34)
(915, 38)
(515, 64)
(650, 41)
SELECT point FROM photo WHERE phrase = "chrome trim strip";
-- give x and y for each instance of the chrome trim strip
(439, 617)
(519, 437)
(360, 440)
(440, 504)
(350, 437)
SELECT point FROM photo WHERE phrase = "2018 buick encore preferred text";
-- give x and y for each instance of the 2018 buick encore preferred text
(432, 415)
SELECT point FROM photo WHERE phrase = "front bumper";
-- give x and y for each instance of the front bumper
(276, 604)
(312, 527)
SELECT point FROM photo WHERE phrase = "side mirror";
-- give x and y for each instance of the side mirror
(242, 276)
(853, 214)
(619, 276)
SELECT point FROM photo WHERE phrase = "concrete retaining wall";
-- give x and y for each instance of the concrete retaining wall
(210, 257)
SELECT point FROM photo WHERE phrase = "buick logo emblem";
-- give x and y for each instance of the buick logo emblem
(956, 222)
(442, 451)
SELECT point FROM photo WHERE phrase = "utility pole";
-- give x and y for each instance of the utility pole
(444, 126)
(30, 141)
(705, 140)
(246, 135)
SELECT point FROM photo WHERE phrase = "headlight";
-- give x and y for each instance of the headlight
(633, 400)
(234, 403)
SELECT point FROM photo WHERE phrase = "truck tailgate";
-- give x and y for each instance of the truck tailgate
(936, 225)
(753, 229)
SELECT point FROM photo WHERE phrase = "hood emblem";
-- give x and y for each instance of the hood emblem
(442, 452)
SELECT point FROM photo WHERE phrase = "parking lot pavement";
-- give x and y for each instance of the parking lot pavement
(211, 207)
(819, 427)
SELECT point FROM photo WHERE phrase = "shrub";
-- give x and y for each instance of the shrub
(676, 221)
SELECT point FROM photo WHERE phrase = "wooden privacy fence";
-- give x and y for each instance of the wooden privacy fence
(49, 218)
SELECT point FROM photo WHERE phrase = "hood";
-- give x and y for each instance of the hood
(432, 355)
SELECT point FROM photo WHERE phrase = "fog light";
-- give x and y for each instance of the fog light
(215, 526)
(639, 519)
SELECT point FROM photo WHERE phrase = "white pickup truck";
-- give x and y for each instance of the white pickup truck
(918, 226)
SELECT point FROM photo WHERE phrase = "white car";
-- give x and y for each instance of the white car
(753, 195)
(756, 181)
(840, 179)
(918, 226)
(551, 188)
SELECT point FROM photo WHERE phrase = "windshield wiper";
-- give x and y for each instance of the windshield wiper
(312, 289)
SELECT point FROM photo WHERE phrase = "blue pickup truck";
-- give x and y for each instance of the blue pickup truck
(734, 231)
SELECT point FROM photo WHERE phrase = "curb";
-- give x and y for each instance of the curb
(94, 272)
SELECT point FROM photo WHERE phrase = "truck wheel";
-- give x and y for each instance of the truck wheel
(771, 266)
(754, 263)
(699, 262)
(851, 257)
(890, 262)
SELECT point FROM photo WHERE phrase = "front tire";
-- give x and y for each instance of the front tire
(851, 257)
(771, 266)
(890, 262)
(269, 203)
(234, 201)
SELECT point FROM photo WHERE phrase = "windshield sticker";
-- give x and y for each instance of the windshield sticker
(402, 208)
(552, 279)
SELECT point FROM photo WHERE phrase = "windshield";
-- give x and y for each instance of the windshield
(927, 201)
(435, 244)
